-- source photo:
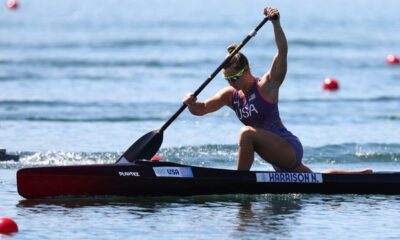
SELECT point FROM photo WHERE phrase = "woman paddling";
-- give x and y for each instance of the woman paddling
(255, 101)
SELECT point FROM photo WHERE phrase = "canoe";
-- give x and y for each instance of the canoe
(159, 178)
(4, 156)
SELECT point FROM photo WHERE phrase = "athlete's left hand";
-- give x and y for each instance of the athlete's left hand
(272, 13)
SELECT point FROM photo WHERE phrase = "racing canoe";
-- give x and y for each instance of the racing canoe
(153, 178)
(4, 156)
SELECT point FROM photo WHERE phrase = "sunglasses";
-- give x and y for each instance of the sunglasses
(232, 79)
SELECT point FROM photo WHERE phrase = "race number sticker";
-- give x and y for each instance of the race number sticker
(289, 177)
(180, 172)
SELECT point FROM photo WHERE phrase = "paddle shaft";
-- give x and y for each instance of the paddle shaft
(149, 144)
(216, 71)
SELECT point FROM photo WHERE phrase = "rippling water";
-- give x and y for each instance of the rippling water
(81, 81)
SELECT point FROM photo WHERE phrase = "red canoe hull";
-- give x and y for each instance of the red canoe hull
(144, 178)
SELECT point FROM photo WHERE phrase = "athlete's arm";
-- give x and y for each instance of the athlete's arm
(222, 98)
(278, 69)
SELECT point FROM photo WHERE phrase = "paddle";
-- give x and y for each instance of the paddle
(148, 145)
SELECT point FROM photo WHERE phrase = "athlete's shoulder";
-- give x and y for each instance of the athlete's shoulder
(226, 91)
(267, 83)
(225, 95)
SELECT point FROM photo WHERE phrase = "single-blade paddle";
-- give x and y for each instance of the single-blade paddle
(148, 145)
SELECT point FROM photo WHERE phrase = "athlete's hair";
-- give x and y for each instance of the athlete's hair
(238, 61)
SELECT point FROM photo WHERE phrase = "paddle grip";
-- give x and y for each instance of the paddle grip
(216, 71)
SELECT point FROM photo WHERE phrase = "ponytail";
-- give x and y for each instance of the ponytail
(238, 61)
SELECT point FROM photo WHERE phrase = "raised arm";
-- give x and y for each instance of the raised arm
(278, 68)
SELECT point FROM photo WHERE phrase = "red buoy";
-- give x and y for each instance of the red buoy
(7, 226)
(330, 84)
(392, 59)
(12, 4)
(156, 158)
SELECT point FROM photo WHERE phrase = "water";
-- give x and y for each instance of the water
(81, 81)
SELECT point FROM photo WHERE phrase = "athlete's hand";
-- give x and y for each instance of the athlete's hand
(189, 99)
(272, 13)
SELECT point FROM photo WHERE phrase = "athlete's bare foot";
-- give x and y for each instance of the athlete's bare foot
(367, 171)
(340, 171)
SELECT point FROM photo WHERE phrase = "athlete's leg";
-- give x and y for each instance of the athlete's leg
(302, 169)
(271, 147)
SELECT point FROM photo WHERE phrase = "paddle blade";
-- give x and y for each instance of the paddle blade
(144, 148)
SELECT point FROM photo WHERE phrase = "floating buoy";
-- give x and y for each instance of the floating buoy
(392, 59)
(330, 84)
(156, 158)
(7, 226)
(12, 4)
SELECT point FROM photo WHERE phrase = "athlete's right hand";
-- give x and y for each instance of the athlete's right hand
(189, 99)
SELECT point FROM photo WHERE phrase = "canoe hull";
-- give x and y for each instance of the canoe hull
(145, 178)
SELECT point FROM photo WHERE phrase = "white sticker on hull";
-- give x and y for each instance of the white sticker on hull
(289, 177)
(129, 174)
(182, 172)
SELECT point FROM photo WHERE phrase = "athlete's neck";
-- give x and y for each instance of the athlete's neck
(249, 83)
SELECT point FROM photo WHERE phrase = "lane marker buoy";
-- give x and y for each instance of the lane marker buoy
(8, 226)
(330, 84)
(392, 59)
(12, 4)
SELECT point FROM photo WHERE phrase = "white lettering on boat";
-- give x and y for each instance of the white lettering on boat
(129, 174)
(289, 177)
(183, 172)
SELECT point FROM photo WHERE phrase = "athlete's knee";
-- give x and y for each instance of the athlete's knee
(246, 134)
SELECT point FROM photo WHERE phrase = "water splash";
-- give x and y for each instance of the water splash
(217, 156)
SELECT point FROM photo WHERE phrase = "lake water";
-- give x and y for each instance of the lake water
(81, 81)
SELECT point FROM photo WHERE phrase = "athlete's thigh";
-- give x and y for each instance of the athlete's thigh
(273, 148)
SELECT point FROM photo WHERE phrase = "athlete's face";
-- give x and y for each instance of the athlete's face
(233, 76)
